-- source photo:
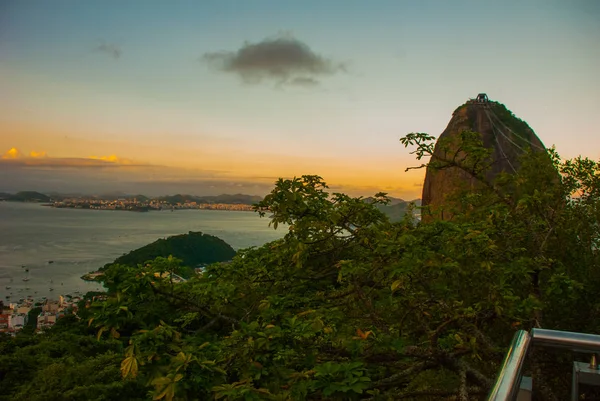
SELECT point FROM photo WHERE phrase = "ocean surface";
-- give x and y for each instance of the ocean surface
(58, 246)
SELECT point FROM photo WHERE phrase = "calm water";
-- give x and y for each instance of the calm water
(79, 241)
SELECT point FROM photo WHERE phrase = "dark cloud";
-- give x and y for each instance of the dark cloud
(111, 49)
(304, 81)
(285, 60)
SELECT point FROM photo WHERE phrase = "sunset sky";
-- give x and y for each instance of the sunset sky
(207, 97)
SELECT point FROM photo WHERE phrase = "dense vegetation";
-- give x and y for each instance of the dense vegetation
(193, 249)
(395, 212)
(347, 305)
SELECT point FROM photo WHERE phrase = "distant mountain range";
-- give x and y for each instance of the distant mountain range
(32, 196)
(237, 199)
(395, 210)
(25, 196)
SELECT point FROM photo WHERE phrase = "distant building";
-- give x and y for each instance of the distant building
(17, 321)
(45, 320)
(50, 306)
(23, 309)
(5, 320)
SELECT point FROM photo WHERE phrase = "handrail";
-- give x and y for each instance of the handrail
(578, 342)
(509, 380)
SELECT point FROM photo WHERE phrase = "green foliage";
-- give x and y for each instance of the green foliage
(193, 249)
(348, 305)
(31, 324)
(509, 120)
(28, 196)
(65, 363)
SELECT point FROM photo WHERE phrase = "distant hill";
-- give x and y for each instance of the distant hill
(26, 196)
(234, 199)
(394, 212)
(179, 198)
(194, 248)
(396, 209)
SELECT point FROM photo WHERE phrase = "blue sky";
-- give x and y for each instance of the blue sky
(130, 80)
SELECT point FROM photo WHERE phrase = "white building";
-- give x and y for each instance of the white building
(17, 321)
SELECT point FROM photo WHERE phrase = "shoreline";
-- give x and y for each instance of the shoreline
(145, 210)
(95, 276)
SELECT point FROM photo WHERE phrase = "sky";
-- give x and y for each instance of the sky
(208, 97)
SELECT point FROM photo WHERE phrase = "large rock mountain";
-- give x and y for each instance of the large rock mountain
(506, 135)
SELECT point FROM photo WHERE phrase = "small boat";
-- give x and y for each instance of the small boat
(27, 270)
(8, 287)
(51, 289)
(26, 279)
(50, 262)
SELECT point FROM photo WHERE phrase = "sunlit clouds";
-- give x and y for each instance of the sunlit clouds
(41, 159)
(36, 155)
(113, 159)
(12, 153)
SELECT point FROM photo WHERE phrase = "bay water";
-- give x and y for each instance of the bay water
(58, 246)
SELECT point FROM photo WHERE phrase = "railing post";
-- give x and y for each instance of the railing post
(507, 385)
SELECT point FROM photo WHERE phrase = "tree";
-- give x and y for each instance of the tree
(350, 306)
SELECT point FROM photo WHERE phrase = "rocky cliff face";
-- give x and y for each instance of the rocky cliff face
(507, 136)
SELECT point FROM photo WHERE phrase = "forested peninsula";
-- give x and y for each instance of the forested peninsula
(193, 249)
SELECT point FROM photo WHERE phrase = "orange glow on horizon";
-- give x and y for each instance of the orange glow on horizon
(367, 175)
(35, 154)
(12, 153)
(111, 159)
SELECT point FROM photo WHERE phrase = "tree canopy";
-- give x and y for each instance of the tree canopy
(194, 248)
(347, 305)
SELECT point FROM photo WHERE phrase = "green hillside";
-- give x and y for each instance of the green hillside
(28, 196)
(194, 248)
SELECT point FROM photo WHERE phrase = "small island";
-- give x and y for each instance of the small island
(193, 249)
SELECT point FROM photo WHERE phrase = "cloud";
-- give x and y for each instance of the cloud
(111, 49)
(57, 162)
(282, 59)
(12, 153)
(37, 155)
(304, 81)
(14, 157)
(112, 159)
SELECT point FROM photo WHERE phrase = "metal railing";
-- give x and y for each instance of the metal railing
(508, 383)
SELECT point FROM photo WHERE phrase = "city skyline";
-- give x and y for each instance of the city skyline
(226, 97)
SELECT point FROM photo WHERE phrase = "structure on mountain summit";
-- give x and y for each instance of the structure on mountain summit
(507, 136)
(482, 98)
